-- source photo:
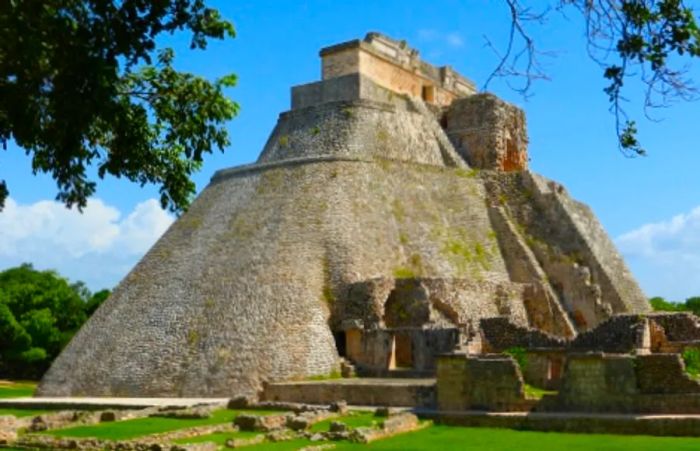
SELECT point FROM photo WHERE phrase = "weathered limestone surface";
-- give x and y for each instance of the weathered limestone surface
(238, 288)
(624, 383)
(395, 66)
(488, 132)
(358, 188)
(489, 382)
(410, 392)
(574, 259)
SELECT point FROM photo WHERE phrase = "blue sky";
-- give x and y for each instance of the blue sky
(650, 206)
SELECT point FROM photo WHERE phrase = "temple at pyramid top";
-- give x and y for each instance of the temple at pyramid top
(388, 63)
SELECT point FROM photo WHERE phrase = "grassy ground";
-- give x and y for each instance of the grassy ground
(353, 420)
(16, 389)
(19, 413)
(129, 429)
(444, 437)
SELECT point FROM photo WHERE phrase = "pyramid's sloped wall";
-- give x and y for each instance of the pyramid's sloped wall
(357, 129)
(237, 291)
(620, 289)
(580, 264)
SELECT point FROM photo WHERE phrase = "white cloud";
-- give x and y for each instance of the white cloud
(98, 246)
(665, 256)
(451, 39)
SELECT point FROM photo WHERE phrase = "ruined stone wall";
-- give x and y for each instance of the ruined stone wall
(664, 373)
(488, 132)
(500, 334)
(611, 383)
(424, 301)
(619, 334)
(598, 383)
(484, 383)
(678, 327)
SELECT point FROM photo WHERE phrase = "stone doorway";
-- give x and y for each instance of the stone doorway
(403, 350)
(340, 343)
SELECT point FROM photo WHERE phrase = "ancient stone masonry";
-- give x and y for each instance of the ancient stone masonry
(488, 132)
(395, 66)
(627, 364)
(390, 211)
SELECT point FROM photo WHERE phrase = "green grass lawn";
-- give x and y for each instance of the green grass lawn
(456, 438)
(17, 389)
(353, 420)
(19, 413)
(139, 427)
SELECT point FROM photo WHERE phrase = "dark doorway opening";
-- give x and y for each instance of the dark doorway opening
(340, 343)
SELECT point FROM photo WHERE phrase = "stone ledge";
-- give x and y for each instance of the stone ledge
(658, 425)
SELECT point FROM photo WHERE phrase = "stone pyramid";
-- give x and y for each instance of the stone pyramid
(389, 211)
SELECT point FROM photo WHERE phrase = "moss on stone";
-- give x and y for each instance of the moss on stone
(193, 337)
(348, 112)
(398, 210)
(466, 173)
(335, 374)
(403, 272)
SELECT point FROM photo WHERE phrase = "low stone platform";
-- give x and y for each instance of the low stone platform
(78, 403)
(593, 423)
(412, 392)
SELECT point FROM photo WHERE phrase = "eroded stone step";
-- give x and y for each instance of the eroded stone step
(396, 392)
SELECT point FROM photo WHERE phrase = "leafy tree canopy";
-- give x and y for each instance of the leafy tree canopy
(84, 83)
(647, 40)
(39, 313)
(691, 304)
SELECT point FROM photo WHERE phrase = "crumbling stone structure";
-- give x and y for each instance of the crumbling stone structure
(628, 364)
(390, 211)
(488, 132)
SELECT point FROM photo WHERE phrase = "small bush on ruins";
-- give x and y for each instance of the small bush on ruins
(519, 354)
(691, 357)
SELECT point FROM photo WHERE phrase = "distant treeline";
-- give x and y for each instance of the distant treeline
(691, 304)
(40, 311)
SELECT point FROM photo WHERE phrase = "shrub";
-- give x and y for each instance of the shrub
(691, 357)
(519, 354)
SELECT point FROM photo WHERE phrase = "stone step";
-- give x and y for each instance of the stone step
(393, 392)
(398, 373)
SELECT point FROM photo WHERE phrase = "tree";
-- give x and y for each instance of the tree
(693, 304)
(646, 39)
(84, 84)
(660, 304)
(39, 313)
